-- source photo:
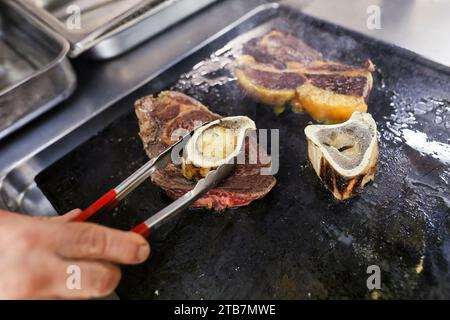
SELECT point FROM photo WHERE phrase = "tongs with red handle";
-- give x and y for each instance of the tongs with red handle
(113, 197)
(201, 187)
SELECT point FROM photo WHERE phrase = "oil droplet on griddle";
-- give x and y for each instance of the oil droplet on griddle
(217, 70)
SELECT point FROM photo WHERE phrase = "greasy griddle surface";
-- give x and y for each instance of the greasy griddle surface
(297, 242)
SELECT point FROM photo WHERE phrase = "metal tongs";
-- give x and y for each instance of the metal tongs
(113, 197)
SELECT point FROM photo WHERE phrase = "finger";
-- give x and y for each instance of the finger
(82, 240)
(53, 277)
(82, 280)
(7, 214)
(68, 216)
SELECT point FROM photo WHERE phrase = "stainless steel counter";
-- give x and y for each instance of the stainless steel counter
(419, 25)
(411, 24)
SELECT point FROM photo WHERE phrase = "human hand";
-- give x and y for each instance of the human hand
(36, 253)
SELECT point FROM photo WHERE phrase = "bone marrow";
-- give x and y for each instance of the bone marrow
(345, 155)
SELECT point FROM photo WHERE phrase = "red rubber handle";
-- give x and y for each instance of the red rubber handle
(141, 229)
(107, 201)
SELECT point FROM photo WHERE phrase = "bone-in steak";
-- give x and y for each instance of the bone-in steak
(278, 69)
(160, 116)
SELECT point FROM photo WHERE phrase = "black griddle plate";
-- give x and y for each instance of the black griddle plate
(297, 242)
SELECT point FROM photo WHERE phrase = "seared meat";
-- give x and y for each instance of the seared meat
(160, 116)
(280, 49)
(278, 69)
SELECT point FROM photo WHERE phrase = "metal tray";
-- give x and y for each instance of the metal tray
(109, 28)
(34, 72)
(297, 242)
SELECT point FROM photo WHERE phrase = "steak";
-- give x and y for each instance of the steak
(279, 69)
(160, 116)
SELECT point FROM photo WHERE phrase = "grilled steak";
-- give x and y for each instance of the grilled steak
(278, 68)
(160, 116)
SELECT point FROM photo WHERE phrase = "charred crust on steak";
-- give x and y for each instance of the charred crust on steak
(332, 67)
(251, 48)
(287, 48)
(167, 113)
(275, 80)
(187, 122)
(158, 118)
(276, 48)
(352, 86)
